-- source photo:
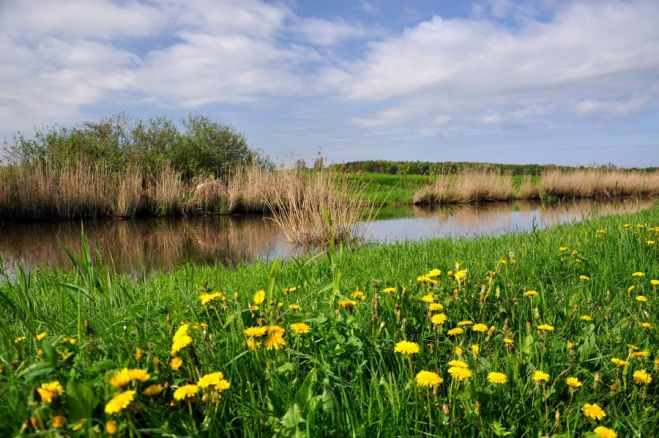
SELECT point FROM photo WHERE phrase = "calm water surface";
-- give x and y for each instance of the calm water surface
(161, 244)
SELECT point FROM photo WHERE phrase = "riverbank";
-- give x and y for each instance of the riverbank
(563, 301)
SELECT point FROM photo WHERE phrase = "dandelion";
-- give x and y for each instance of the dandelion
(153, 390)
(630, 289)
(458, 351)
(274, 341)
(358, 295)
(546, 328)
(119, 402)
(584, 278)
(438, 319)
(58, 421)
(209, 298)
(111, 427)
(70, 341)
(222, 385)
(125, 376)
(252, 343)
(593, 411)
(255, 332)
(300, 328)
(475, 349)
(428, 298)
(50, 391)
(605, 432)
(347, 304)
(540, 376)
(461, 275)
(497, 378)
(259, 297)
(426, 279)
(573, 382)
(654, 282)
(586, 318)
(508, 341)
(428, 379)
(407, 348)
(20, 339)
(434, 273)
(389, 290)
(464, 322)
(646, 325)
(638, 274)
(619, 362)
(181, 339)
(481, 328)
(642, 377)
(641, 354)
(455, 331)
(294, 307)
(641, 298)
(210, 379)
(435, 307)
(41, 336)
(185, 391)
(288, 290)
(460, 373)
(176, 363)
(530, 293)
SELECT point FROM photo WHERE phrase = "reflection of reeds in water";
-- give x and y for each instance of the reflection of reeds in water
(153, 243)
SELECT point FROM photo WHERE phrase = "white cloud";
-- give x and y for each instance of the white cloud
(609, 109)
(330, 32)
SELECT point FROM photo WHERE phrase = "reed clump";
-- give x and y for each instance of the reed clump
(466, 187)
(593, 183)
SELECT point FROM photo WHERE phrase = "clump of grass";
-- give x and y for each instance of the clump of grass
(592, 183)
(469, 186)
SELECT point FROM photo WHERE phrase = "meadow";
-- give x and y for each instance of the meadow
(546, 333)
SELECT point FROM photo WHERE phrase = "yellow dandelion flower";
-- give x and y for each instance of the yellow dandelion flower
(300, 328)
(573, 382)
(435, 307)
(252, 343)
(119, 402)
(546, 328)
(464, 322)
(641, 298)
(20, 339)
(125, 376)
(475, 349)
(434, 273)
(255, 332)
(458, 351)
(153, 390)
(461, 275)
(426, 279)
(563, 248)
(288, 290)
(642, 377)
(497, 378)
(222, 385)
(210, 297)
(347, 304)
(619, 362)
(641, 354)
(294, 307)
(50, 391)
(41, 336)
(460, 373)
(646, 325)
(569, 345)
(584, 278)
(259, 297)
(457, 364)
(481, 328)
(176, 363)
(530, 293)
(438, 319)
(508, 341)
(605, 432)
(389, 290)
(630, 289)
(428, 298)
(68, 340)
(407, 348)
(586, 318)
(593, 411)
(58, 421)
(274, 341)
(185, 391)
(455, 331)
(210, 379)
(428, 379)
(111, 427)
(540, 376)
(358, 295)
(638, 274)
(654, 282)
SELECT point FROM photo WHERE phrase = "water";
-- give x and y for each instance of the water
(161, 244)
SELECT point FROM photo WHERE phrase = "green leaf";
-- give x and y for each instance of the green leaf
(80, 400)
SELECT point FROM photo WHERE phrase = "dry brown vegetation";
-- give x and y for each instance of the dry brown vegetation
(488, 186)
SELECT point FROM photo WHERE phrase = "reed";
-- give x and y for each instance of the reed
(592, 183)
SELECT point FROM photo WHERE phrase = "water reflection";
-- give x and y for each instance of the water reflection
(161, 244)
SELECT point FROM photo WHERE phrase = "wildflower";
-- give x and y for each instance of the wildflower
(426, 279)
(641, 298)
(50, 391)
(347, 304)
(460, 275)
(389, 290)
(479, 328)
(540, 376)
(176, 363)
(641, 377)
(209, 298)
(630, 289)
(181, 339)
(58, 421)
(153, 390)
(274, 341)
(637, 354)
(475, 349)
(407, 348)
(300, 328)
(253, 308)
(70, 341)
(530, 293)
(654, 282)
(428, 298)
(638, 274)
(123, 377)
(605, 432)
(563, 248)
(584, 278)
(358, 295)
(508, 341)
(573, 382)
(586, 318)
(593, 411)
(465, 322)
(222, 385)
(20, 339)
(438, 319)
(458, 364)
(428, 379)
(210, 379)
(41, 336)
(497, 378)
(255, 332)
(119, 402)
(288, 290)
(460, 373)
(434, 273)
(455, 331)
(458, 351)
(111, 427)
(185, 391)
(646, 325)
(435, 307)
(294, 307)
(546, 327)
(259, 297)
(619, 362)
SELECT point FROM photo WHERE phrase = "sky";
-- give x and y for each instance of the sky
(537, 81)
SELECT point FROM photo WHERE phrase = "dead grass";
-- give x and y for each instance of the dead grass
(470, 186)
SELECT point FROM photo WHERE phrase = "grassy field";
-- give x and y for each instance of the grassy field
(557, 337)
(386, 189)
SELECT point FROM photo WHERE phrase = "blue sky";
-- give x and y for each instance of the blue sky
(546, 81)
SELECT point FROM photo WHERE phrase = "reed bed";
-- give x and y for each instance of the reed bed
(488, 186)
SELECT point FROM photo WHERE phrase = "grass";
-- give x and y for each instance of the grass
(343, 378)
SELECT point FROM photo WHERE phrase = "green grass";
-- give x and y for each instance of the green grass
(383, 189)
(343, 378)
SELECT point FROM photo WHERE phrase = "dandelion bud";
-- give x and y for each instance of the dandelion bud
(445, 409)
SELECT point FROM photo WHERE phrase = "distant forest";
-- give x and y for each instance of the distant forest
(451, 167)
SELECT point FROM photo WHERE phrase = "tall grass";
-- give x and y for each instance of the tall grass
(589, 183)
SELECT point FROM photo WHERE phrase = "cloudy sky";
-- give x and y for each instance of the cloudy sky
(548, 81)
